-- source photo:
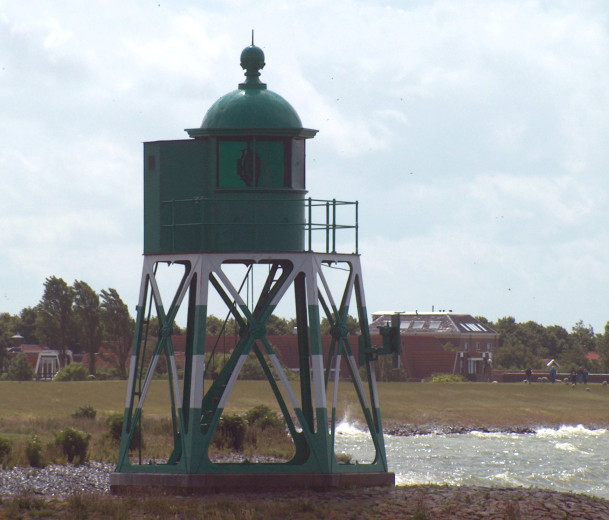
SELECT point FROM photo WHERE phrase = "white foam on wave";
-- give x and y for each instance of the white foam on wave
(348, 428)
(565, 446)
(569, 431)
(492, 435)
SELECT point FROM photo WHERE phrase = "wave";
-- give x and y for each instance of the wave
(348, 428)
(566, 431)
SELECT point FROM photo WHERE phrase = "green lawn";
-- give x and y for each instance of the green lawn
(482, 404)
(488, 404)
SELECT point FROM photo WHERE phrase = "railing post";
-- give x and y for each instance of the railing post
(327, 226)
(310, 225)
(334, 225)
(356, 227)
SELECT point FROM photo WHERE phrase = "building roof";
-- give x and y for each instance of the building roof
(432, 323)
(593, 355)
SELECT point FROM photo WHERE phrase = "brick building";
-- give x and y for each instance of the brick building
(442, 342)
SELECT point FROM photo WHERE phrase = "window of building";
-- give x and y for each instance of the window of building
(471, 366)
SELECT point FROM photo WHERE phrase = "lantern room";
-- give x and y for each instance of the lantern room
(238, 183)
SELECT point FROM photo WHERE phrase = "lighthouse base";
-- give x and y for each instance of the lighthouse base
(197, 484)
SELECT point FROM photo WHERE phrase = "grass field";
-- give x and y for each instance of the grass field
(413, 403)
(45, 409)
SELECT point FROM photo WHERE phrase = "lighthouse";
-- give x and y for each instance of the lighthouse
(224, 206)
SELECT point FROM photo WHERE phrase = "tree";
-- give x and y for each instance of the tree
(558, 340)
(602, 346)
(505, 327)
(583, 336)
(213, 325)
(117, 330)
(154, 327)
(523, 345)
(276, 326)
(352, 326)
(581, 340)
(55, 315)
(514, 355)
(8, 329)
(20, 369)
(87, 311)
(28, 327)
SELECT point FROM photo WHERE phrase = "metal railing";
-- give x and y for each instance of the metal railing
(327, 223)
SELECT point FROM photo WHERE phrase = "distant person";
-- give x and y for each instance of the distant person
(585, 376)
(552, 375)
(580, 375)
(529, 372)
(573, 377)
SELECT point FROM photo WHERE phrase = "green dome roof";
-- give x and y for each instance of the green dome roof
(251, 108)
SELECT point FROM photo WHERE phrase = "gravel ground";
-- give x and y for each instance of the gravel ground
(56, 480)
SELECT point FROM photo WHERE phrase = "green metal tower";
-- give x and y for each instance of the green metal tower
(218, 206)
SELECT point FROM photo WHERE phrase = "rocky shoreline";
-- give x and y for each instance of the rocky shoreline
(409, 430)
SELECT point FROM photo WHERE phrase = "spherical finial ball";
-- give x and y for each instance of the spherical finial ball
(252, 59)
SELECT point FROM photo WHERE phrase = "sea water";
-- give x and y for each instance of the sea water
(567, 459)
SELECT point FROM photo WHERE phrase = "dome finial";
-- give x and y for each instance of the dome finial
(252, 60)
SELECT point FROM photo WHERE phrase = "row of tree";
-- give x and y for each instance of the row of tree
(530, 345)
(78, 319)
(75, 318)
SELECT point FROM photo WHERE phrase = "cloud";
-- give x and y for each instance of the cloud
(473, 135)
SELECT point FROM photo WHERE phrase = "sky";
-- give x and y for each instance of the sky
(472, 133)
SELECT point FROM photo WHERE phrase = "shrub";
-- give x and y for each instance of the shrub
(115, 424)
(85, 412)
(115, 430)
(72, 372)
(5, 449)
(263, 417)
(33, 451)
(231, 431)
(105, 373)
(447, 378)
(74, 444)
(20, 369)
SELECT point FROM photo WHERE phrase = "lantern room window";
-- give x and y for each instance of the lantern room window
(254, 162)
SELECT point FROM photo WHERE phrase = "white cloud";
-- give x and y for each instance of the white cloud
(472, 133)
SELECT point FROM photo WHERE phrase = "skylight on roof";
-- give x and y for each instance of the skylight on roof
(435, 324)
(467, 327)
(418, 324)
